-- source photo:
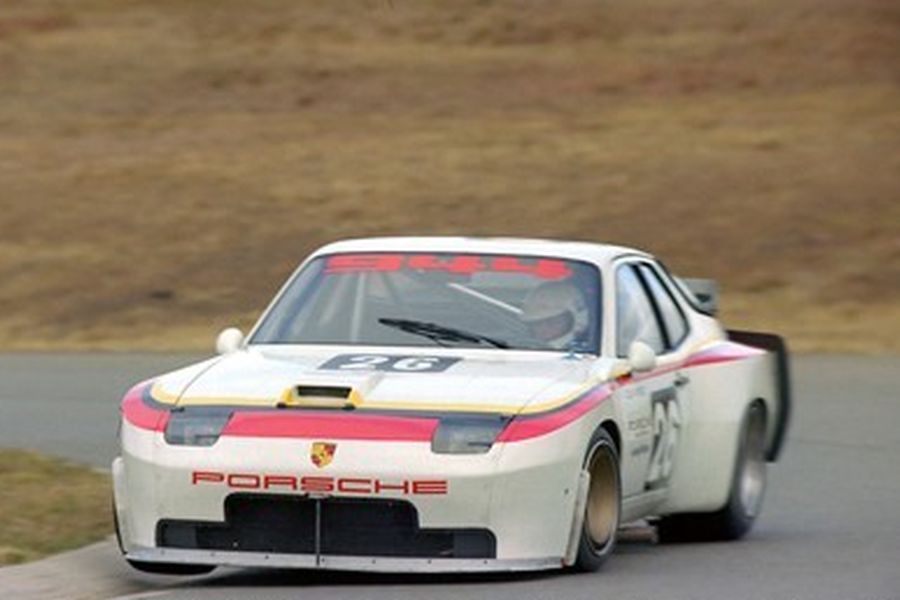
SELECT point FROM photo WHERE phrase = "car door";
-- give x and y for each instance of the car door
(654, 403)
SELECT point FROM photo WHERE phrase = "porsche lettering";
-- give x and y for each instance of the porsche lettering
(322, 485)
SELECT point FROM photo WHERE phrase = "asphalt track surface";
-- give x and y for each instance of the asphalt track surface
(830, 527)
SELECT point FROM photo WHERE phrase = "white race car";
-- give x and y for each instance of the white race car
(454, 404)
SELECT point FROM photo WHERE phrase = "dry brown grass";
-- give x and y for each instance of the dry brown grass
(164, 164)
(48, 505)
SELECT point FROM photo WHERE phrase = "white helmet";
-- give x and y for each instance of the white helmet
(556, 313)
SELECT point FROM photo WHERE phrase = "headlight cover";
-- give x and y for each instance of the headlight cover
(196, 427)
(467, 435)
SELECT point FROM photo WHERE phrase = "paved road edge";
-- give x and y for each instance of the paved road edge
(89, 573)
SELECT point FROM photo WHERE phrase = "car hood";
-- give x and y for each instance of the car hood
(465, 380)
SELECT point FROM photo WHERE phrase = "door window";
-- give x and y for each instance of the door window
(635, 317)
(672, 317)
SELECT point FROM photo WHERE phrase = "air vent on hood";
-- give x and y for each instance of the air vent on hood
(318, 396)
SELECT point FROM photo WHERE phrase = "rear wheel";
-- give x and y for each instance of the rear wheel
(603, 506)
(748, 486)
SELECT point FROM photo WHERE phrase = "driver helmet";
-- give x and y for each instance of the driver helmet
(556, 314)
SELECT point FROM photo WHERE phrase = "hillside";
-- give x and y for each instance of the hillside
(165, 164)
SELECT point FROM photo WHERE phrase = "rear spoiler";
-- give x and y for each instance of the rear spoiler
(702, 293)
(777, 346)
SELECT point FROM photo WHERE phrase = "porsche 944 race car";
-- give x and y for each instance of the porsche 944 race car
(454, 404)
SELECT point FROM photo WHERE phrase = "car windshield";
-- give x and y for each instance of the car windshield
(439, 299)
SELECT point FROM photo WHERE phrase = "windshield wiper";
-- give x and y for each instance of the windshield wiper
(439, 333)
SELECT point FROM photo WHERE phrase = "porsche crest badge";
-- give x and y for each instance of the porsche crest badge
(321, 453)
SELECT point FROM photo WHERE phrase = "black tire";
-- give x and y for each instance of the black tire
(169, 568)
(603, 508)
(748, 485)
(157, 568)
(115, 516)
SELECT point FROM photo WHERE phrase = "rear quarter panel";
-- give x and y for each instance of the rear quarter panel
(720, 392)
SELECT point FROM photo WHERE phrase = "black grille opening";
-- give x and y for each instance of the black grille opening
(282, 524)
(348, 527)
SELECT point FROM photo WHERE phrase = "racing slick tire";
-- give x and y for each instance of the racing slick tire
(604, 503)
(158, 568)
(748, 485)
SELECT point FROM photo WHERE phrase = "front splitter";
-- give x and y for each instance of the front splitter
(378, 564)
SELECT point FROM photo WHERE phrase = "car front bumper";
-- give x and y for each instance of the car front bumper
(523, 494)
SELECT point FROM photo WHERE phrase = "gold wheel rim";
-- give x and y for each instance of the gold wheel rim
(602, 512)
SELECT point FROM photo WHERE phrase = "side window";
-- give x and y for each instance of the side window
(635, 318)
(673, 318)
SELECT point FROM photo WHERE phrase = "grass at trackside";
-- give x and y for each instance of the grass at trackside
(48, 505)
(164, 164)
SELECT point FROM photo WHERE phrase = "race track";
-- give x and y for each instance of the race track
(830, 527)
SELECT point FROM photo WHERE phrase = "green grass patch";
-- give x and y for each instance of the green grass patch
(48, 505)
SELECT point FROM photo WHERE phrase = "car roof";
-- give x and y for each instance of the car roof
(599, 254)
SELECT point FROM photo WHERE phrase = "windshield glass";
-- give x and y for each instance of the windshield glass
(439, 299)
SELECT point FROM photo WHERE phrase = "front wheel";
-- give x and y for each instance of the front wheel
(748, 485)
(603, 506)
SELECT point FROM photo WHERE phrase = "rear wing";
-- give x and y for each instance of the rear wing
(702, 293)
(777, 346)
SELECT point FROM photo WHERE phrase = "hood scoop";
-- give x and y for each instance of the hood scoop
(322, 393)
(318, 396)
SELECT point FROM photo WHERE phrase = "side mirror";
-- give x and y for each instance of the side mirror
(229, 340)
(641, 357)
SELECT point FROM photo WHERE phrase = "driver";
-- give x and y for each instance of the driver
(556, 314)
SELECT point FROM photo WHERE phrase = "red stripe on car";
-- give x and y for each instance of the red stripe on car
(338, 427)
(139, 413)
(525, 427)
(724, 352)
